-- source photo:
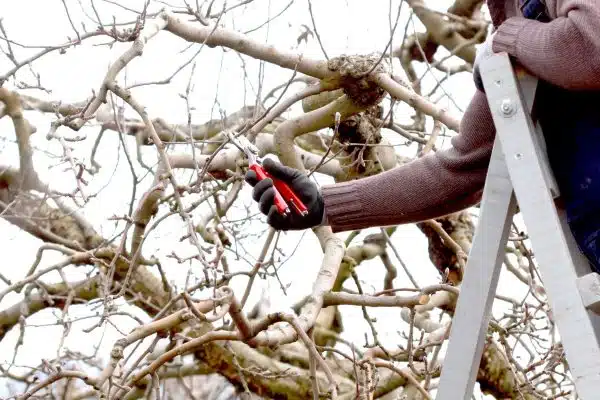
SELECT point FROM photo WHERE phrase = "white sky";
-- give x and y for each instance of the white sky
(345, 27)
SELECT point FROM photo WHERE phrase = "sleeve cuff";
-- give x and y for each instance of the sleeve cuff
(342, 204)
(507, 34)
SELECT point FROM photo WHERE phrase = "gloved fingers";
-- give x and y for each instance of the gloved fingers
(266, 200)
(280, 171)
(276, 220)
(260, 188)
(306, 189)
(251, 177)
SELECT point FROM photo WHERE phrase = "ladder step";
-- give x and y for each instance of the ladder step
(589, 290)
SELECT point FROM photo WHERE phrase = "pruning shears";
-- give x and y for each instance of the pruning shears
(284, 195)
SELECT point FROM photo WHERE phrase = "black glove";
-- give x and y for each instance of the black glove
(483, 52)
(300, 183)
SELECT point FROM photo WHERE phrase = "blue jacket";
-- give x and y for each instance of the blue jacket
(571, 124)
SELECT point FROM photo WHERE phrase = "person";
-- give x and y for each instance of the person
(556, 40)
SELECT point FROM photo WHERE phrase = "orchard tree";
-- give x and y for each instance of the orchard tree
(136, 263)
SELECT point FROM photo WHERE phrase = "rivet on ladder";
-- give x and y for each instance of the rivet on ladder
(507, 107)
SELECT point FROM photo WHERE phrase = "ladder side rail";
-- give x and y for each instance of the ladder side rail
(527, 90)
(473, 309)
(474, 305)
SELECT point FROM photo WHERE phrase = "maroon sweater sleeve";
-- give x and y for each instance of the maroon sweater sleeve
(432, 186)
(564, 51)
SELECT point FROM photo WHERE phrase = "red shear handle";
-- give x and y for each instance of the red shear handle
(283, 193)
(290, 197)
(280, 203)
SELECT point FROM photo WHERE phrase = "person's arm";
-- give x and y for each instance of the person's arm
(564, 51)
(433, 186)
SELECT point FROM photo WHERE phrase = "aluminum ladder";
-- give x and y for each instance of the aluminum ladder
(519, 173)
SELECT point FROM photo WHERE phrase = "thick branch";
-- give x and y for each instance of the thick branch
(442, 32)
(54, 296)
(333, 299)
(241, 43)
(400, 92)
(23, 130)
(309, 122)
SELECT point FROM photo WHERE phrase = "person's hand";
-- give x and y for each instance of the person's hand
(300, 183)
(483, 52)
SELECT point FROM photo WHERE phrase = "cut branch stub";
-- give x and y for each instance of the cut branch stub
(460, 228)
(360, 134)
(355, 77)
(420, 44)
